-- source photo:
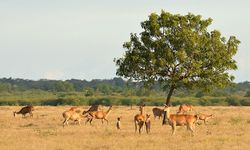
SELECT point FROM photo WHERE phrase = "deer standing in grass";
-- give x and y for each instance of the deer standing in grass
(148, 123)
(205, 117)
(185, 108)
(72, 115)
(180, 120)
(99, 115)
(25, 110)
(139, 119)
(157, 112)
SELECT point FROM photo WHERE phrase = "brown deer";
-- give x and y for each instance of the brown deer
(72, 115)
(148, 123)
(118, 123)
(180, 120)
(25, 110)
(185, 108)
(139, 119)
(205, 117)
(99, 115)
(75, 108)
(157, 112)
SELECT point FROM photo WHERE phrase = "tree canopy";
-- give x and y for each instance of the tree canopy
(179, 51)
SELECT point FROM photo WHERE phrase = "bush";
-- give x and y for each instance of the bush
(233, 101)
(175, 103)
(61, 101)
(199, 94)
(247, 94)
(126, 102)
(102, 101)
(157, 103)
(245, 102)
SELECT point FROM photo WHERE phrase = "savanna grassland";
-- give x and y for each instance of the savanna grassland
(230, 129)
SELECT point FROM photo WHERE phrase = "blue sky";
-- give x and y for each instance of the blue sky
(61, 39)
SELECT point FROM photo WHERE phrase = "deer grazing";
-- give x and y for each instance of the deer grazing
(157, 112)
(180, 120)
(72, 115)
(185, 108)
(139, 119)
(99, 115)
(25, 110)
(148, 123)
(205, 117)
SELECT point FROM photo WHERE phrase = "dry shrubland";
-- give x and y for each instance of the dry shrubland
(229, 129)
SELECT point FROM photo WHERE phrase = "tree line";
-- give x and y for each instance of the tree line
(113, 86)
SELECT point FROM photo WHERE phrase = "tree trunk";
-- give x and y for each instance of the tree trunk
(168, 102)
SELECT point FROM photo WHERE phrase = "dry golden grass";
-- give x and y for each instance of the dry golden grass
(230, 129)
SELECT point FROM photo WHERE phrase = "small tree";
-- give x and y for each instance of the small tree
(178, 51)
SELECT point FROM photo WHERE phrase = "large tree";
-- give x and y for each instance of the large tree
(179, 51)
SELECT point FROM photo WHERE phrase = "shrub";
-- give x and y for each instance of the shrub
(247, 94)
(176, 102)
(199, 94)
(126, 102)
(233, 101)
(102, 101)
(245, 102)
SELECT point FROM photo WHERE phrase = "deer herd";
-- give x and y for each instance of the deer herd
(181, 118)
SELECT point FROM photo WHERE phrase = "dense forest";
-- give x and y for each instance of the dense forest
(114, 91)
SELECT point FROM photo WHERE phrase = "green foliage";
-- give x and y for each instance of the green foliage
(142, 92)
(247, 93)
(178, 51)
(5, 87)
(78, 98)
(126, 102)
(199, 94)
(88, 91)
(63, 86)
(245, 102)
(233, 101)
(102, 101)
(106, 89)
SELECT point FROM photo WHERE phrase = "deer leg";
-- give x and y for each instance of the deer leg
(106, 120)
(91, 121)
(147, 127)
(88, 119)
(135, 126)
(173, 128)
(102, 121)
(31, 114)
(190, 128)
(140, 126)
(64, 122)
